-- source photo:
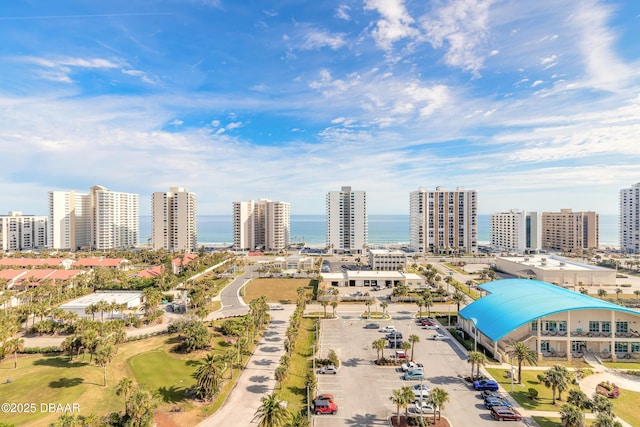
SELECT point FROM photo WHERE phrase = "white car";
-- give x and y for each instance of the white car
(329, 369)
(388, 328)
(423, 407)
(421, 390)
(434, 327)
(439, 336)
(411, 365)
(275, 307)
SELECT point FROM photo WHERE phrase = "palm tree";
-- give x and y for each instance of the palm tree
(384, 305)
(618, 292)
(601, 404)
(280, 374)
(404, 345)
(298, 419)
(458, 298)
(324, 305)
(476, 359)
(334, 305)
(606, 420)
(555, 378)
(428, 303)
(522, 354)
(271, 412)
(579, 398)
(368, 303)
(208, 377)
(420, 303)
(125, 387)
(413, 339)
(637, 294)
(14, 345)
(409, 396)
(438, 397)
(103, 355)
(602, 293)
(571, 416)
(398, 398)
(379, 346)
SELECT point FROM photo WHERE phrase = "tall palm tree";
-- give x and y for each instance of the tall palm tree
(208, 377)
(280, 374)
(571, 416)
(556, 378)
(398, 398)
(14, 345)
(409, 396)
(103, 355)
(368, 303)
(458, 297)
(324, 305)
(420, 303)
(334, 305)
(125, 387)
(438, 397)
(384, 305)
(428, 303)
(412, 340)
(522, 354)
(476, 359)
(379, 346)
(271, 412)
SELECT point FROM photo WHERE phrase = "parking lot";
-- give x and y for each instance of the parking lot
(362, 389)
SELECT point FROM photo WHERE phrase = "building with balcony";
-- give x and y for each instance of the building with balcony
(347, 221)
(262, 225)
(516, 231)
(443, 221)
(630, 219)
(555, 322)
(174, 220)
(570, 232)
(23, 232)
(387, 260)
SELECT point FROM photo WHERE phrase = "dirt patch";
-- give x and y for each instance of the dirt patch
(275, 290)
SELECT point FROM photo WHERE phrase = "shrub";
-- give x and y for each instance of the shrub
(41, 350)
(533, 393)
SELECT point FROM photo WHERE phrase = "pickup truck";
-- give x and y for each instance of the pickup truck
(411, 365)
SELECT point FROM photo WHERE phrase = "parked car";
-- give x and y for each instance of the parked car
(421, 390)
(324, 396)
(414, 374)
(328, 369)
(394, 336)
(388, 328)
(485, 385)
(324, 407)
(490, 402)
(411, 365)
(401, 354)
(489, 393)
(395, 344)
(372, 326)
(423, 407)
(503, 413)
(275, 307)
(434, 327)
(439, 336)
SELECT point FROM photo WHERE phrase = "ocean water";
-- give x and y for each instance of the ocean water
(383, 229)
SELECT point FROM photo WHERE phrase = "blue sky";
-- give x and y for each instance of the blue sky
(534, 104)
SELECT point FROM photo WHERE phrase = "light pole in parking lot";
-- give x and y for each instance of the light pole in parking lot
(421, 397)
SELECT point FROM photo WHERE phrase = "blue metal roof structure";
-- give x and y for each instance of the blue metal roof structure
(513, 302)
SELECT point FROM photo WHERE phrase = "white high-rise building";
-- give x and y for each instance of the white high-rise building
(174, 220)
(98, 220)
(630, 219)
(443, 221)
(516, 231)
(22, 232)
(262, 225)
(347, 221)
(69, 220)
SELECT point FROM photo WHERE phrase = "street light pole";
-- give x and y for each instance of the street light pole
(308, 407)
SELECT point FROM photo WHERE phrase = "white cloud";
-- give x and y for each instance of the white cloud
(176, 122)
(234, 125)
(395, 24)
(536, 83)
(460, 27)
(342, 12)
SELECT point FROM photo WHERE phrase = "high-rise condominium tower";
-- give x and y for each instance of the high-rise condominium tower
(516, 231)
(571, 232)
(262, 225)
(443, 221)
(347, 221)
(100, 219)
(174, 220)
(22, 232)
(630, 219)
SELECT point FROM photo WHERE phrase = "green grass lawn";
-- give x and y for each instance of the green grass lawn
(625, 406)
(294, 388)
(158, 370)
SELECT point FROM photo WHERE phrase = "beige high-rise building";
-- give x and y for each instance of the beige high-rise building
(23, 232)
(443, 221)
(569, 232)
(98, 220)
(174, 220)
(516, 231)
(262, 225)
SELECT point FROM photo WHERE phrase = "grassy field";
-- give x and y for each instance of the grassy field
(276, 290)
(625, 406)
(555, 422)
(294, 388)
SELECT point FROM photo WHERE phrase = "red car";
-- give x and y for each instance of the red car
(324, 407)
(502, 413)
